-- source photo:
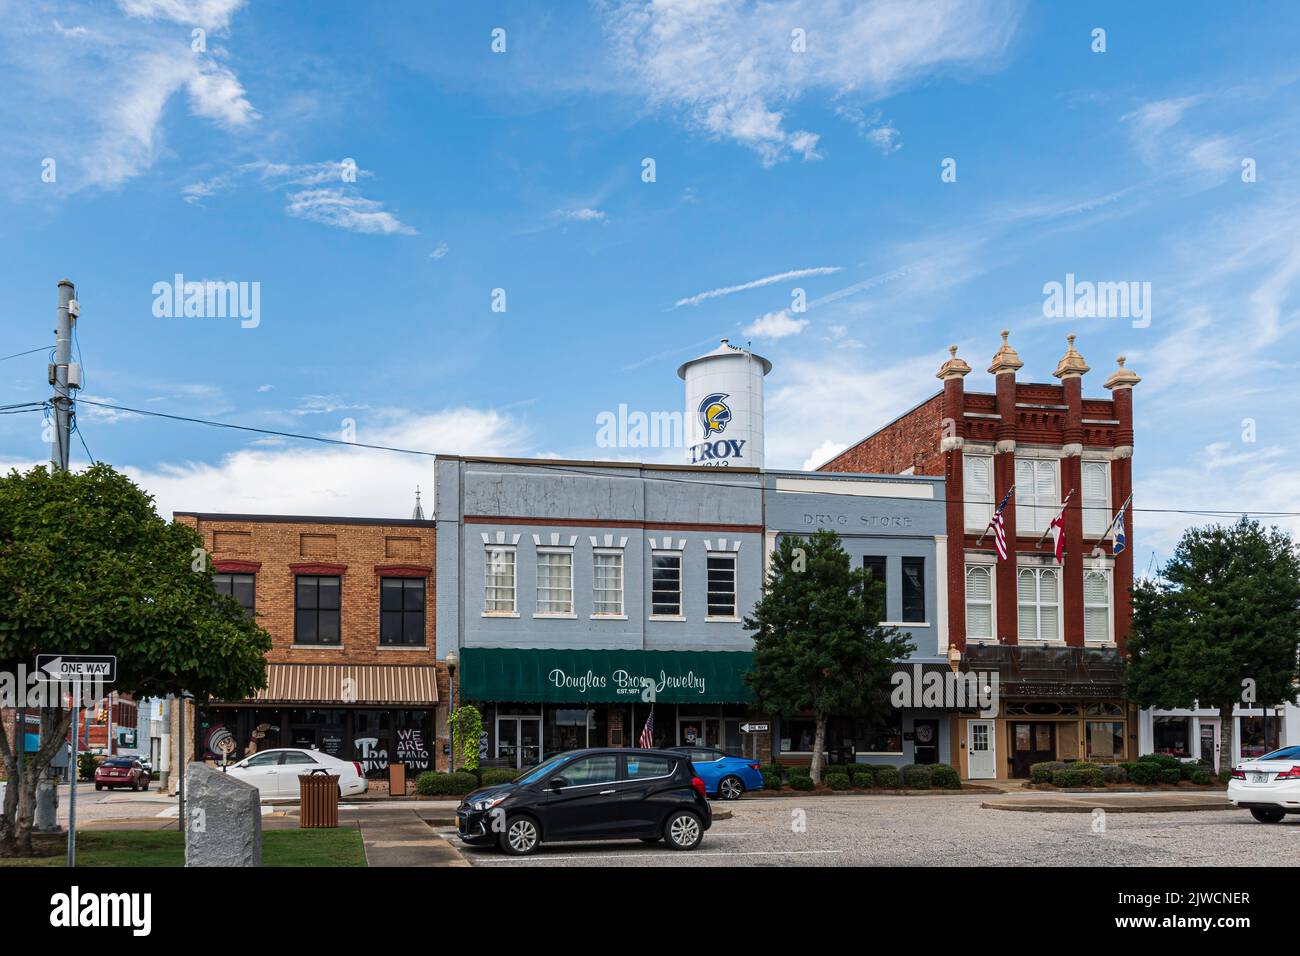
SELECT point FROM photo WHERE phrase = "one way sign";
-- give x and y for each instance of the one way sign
(77, 667)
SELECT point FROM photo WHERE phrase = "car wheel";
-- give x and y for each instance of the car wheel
(99, 786)
(683, 830)
(521, 836)
(1267, 814)
(730, 788)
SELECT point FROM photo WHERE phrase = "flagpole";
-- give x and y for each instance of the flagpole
(1064, 504)
(1115, 517)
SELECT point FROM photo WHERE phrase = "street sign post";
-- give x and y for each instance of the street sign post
(754, 728)
(74, 669)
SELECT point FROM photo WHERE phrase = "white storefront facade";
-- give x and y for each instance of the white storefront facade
(1193, 732)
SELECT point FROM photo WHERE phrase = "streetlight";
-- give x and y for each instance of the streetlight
(954, 658)
(452, 660)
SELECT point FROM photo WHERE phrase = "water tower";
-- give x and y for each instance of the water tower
(724, 407)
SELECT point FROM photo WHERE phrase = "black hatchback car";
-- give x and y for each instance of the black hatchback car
(600, 794)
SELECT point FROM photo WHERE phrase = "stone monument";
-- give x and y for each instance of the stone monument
(223, 825)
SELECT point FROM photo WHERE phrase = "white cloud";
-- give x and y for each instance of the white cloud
(885, 139)
(70, 32)
(775, 325)
(881, 135)
(265, 388)
(756, 284)
(216, 94)
(299, 477)
(334, 207)
(730, 69)
(822, 454)
(441, 251)
(584, 214)
(210, 14)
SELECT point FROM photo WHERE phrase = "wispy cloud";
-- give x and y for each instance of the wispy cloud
(342, 210)
(756, 284)
(734, 70)
(775, 325)
(584, 214)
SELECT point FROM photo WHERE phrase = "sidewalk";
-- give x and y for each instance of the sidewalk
(402, 837)
(1151, 801)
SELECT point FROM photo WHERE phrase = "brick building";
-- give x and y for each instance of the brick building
(350, 607)
(1052, 634)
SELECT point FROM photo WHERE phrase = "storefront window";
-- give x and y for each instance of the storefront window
(722, 585)
(1255, 741)
(1172, 736)
(607, 596)
(666, 585)
(499, 581)
(401, 612)
(238, 586)
(555, 582)
(798, 735)
(1105, 741)
(570, 729)
(316, 610)
(914, 590)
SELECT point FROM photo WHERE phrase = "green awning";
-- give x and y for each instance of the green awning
(573, 676)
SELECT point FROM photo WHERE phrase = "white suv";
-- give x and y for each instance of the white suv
(1269, 786)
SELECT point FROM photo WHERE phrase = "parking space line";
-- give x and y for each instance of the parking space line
(544, 858)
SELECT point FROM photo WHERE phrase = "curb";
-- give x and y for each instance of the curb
(1084, 808)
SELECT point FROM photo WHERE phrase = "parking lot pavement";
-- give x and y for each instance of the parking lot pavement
(948, 831)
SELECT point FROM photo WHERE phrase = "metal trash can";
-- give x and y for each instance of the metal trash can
(397, 779)
(320, 801)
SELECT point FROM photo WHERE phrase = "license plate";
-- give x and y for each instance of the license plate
(1257, 777)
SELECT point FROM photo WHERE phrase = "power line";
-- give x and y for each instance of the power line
(572, 470)
(43, 348)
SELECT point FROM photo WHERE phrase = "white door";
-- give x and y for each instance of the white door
(1210, 740)
(262, 770)
(982, 749)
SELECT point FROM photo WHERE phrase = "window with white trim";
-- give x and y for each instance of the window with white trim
(607, 570)
(977, 485)
(554, 581)
(1096, 498)
(666, 584)
(722, 584)
(979, 602)
(1038, 495)
(1038, 595)
(1096, 607)
(499, 581)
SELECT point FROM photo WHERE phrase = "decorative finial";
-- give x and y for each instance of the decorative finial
(1122, 377)
(954, 367)
(1005, 359)
(1072, 364)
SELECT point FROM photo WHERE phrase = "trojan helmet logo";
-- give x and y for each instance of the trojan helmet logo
(715, 414)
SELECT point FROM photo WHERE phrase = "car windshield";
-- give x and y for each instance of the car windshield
(117, 762)
(1286, 753)
(533, 774)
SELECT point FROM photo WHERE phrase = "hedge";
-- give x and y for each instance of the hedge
(944, 777)
(1201, 776)
(1073, 776)
(838, 780)
(1042, 772)
(863, 775)
(916, 776)
(771, 781)
(1113, 773)
(1161, 760)
(1170, 775)
(494, 775)
(432, 783)
(888, 777)
(800, 782)
(1143, 773)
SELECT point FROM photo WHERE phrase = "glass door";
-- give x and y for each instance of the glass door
(699, 732)
(519, 741)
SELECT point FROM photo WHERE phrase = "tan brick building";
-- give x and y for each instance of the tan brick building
(353, 671)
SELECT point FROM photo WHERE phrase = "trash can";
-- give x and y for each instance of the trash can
(397, 779)
(320, 801)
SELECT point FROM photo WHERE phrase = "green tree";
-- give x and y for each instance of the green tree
(818, 646)
(1220, 626)
(467, 728)
(88, 567)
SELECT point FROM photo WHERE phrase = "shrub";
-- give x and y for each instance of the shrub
(1170, 775)
(433, 783)
(1042, 772)
(1127, 767)
(1143, 773)
(888, 777)
(1225, 775)
(1161, 760)
(1065, 778)
(916, 776)
(1188, 770)
(1114, 773)
(1092, 776)
(771, 780)
(798, 772)
(491, 776)
(800, 782)
(863, 775)
(838, 780)
(944, 777)
(1078, 776)
(1201, 776)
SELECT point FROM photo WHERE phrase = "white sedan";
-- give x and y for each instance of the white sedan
(275, 772)
(1268, 786)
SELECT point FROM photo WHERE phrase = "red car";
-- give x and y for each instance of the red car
(121, 772)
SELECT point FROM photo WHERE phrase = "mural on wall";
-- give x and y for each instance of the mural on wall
(218, 742)
(411, 749)
(373, 758)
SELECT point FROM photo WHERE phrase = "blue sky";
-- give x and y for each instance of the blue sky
(522, 171)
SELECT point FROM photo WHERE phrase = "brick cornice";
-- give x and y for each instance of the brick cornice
(232, 566)
(402, 571)
(331, 569)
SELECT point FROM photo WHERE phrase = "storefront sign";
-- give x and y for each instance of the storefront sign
(605, 676)
(1055, 689)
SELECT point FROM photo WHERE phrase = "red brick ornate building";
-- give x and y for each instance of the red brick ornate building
(1053, 633)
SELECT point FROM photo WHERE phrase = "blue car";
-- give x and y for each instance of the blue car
(724, 775)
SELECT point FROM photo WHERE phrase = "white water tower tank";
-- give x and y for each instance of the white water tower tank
(724, 407)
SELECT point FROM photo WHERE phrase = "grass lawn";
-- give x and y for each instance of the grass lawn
(153, 848)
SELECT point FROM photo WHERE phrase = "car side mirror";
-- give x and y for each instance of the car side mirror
(559, 783)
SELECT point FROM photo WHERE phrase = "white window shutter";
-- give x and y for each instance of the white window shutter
(1096, 510)
(978, 490)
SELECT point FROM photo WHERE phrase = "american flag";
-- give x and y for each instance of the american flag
(646, 739)
(999, 529)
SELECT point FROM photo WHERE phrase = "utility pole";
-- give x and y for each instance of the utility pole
(64, 375)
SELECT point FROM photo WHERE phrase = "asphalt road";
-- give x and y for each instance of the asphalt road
(939, 831)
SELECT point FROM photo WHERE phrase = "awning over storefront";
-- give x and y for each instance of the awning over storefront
(350, 684)
(573, 676)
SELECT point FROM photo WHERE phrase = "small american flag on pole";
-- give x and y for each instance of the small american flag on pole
(646, 739)
(999, 529)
